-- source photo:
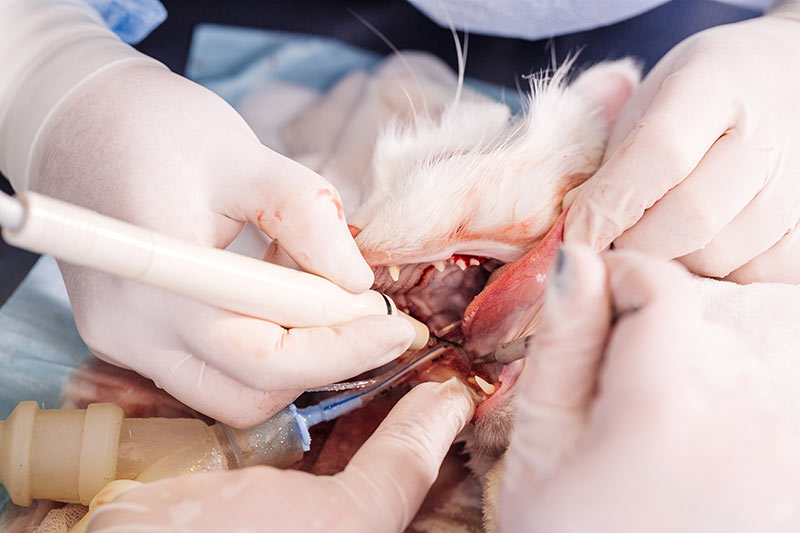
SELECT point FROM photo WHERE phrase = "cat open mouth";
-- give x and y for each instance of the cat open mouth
(479, 301)
(456, 202)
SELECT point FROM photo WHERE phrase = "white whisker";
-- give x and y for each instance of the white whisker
(397, 52)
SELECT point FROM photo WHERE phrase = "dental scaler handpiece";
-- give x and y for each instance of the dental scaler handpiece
(232, 281)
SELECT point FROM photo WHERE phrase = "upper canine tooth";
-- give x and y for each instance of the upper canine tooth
(461, 264)
(485, 386)
(439, 265)
(474, 262)
(394, 272)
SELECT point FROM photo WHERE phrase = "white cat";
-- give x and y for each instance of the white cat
(455, 202)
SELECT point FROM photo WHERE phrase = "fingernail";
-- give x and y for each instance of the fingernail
(402, 334)
(363, 276)
(559, 281)
(561, 259)
(358, 277)
(455, 385)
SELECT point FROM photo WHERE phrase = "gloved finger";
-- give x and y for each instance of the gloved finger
(760, 225)
(690, 215)
(251, 499)
(266, 356)
(658, 317)
(657, 155)
(638, 286)
(637, 105)
(205, 388)
(388, 478)
(379, 491)
(558, 382)
(629, 116)
(637, 281)
(780, 264)
(104, 497)
(303, 212)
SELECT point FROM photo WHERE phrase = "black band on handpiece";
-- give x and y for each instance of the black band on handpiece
(388, 303)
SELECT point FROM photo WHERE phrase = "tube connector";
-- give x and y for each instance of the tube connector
(279, 441)
(58, 454)
(69, 455)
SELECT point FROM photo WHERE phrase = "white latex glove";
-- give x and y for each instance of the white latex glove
(680, 415)
(702, 164)
(380, 490)
(132, 140)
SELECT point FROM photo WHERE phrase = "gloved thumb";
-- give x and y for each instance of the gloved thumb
(558, 382)
(389, 476)
(303, 212)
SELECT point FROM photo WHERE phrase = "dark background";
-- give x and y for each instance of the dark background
(648, 36)
(498, 60)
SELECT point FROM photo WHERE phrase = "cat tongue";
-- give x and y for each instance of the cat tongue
(509, 306)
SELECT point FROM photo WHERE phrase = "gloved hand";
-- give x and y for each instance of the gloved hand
(702, 164)
(380, 490)
(134, 141)
(681, 416)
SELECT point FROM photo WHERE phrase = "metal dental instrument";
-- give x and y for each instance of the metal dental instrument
(435, 342)
(234, 282)
(346, 402)
(513, 351)
(510, 351)
(505, 353)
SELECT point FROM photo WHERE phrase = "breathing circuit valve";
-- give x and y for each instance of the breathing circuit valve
(68, 455)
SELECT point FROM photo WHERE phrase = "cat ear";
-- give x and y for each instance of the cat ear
(609, 85)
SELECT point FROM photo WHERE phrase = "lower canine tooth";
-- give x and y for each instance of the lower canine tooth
(485, 386)
(439, 265)
(394, 272)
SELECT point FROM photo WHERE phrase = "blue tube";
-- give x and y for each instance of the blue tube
(330, 409)
(325, 410)
(346, 402)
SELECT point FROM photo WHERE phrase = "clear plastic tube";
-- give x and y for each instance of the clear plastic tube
(68, 455)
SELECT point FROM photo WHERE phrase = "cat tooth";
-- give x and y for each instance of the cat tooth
(461, 264)
(394, 272)
(474, 262)
(485, 386)
(439, 265)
